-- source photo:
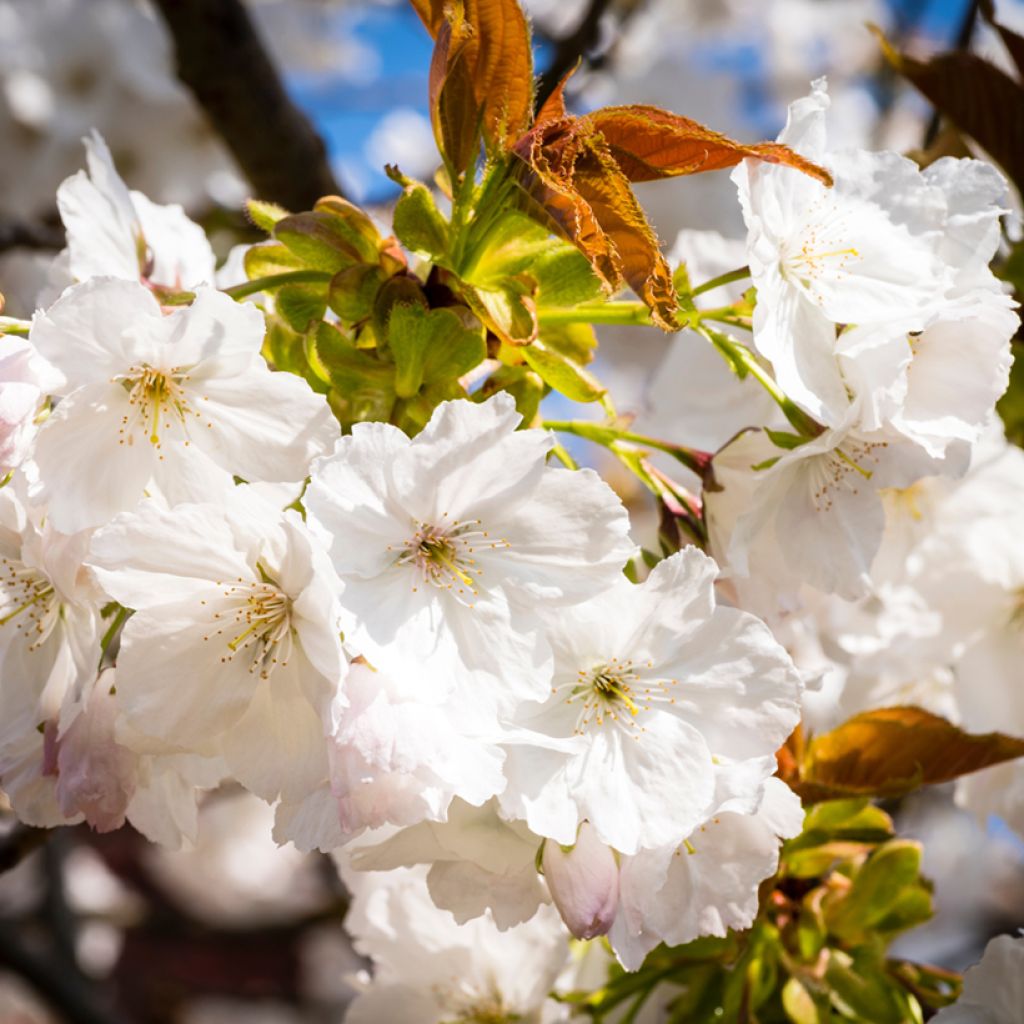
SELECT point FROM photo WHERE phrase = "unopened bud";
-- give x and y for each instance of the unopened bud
(584, 883)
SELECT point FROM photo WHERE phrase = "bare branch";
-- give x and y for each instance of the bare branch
(222, 59)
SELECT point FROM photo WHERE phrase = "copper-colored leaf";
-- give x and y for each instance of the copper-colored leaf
(891, 751)
(503, 70)
(454, 111)
(980, 99)
(573, 179)
(553, 108)
(491, 41)
(431, 13)
(649, 143)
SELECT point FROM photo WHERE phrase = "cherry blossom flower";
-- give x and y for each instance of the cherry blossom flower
(993, 990)
(478, 862)
(865, 250)
(49, 620)
(653, 685)
(450, 544)
(398, 757)
(25, 379)
(430, 970)
(113, 232)
(234, 647)
(706, 885)
(177, 399)
(584, 883)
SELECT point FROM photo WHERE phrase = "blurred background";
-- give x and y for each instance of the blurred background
(100, 929)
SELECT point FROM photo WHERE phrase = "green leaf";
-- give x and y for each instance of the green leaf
(576, 341)
(510, 312)
(301, 305)
(877, 891)
(431, 346)
(525, 386)
(362, 386)
(861, 985)
(564, 276)
(353, 291)
(798, 1003)
(562, 373)
(270, 258)
(513, 245)
(419, 224)
(332, 236)
(784, 439)
(263, 214)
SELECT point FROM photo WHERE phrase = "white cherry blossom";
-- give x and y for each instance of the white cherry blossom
(430, 970)
(449, 546)
(174, 400)
(706, 885)
(812, 513)
(114, 232)
(399, 756)
(234, 647)
(993, 991)
(653, 686)
(864, 250)
(479, 862)
(25, 379)
(50, 623)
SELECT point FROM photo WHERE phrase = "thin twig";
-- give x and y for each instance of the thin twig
(222, 59)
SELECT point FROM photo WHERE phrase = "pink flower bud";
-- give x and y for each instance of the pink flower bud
(584, 883)
(95, 774)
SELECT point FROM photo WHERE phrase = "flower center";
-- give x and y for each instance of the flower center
(153, 395)
(445, 555)
(259, 628)
(614, 693)
(845, 468)
(27, 599)
(1017, 610)
(821, 249)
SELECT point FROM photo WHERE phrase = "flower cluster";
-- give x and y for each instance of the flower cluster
(377, 592)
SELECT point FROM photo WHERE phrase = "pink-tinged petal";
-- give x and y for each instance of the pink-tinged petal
(584, 883)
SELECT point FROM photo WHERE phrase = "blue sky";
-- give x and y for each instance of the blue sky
(347, 108)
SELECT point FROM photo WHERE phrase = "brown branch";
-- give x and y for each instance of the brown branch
(19, 843)
(569, 49)
(66, 991)
(222, 59)
(23, 234)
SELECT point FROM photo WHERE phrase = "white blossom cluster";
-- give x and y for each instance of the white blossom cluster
(425, 653)
(884, 553)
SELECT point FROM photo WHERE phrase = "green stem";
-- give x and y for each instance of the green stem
(261, 284)
(108, 637)
(692, 458)
(743, 362)
(564, 457)
(11, 325)
(717, 282)
(597, 313)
